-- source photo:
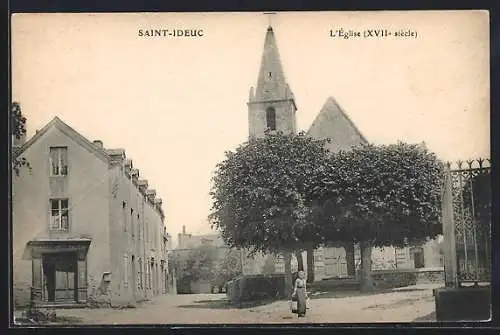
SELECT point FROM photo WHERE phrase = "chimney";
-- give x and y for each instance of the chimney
(143, 185)
(116, 155)
(98, 144)
(183, 230)
(128, 166)
(151, 194)
(135, 175)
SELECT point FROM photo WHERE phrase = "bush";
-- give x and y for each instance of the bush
(394, 278)
(256, 287)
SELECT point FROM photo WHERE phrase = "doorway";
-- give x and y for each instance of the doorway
(134, 279)
(418, 258)
(60, 277)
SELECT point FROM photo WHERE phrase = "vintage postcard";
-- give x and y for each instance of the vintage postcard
(250, 168)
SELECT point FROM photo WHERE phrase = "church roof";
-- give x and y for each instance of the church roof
(334, 124)
(271, 83)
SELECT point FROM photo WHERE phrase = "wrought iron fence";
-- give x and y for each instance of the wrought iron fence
(467, 222)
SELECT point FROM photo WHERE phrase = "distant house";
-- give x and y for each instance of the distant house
(189, 243)
(84, 225)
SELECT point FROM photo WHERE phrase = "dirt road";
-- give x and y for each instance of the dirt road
(400, 305)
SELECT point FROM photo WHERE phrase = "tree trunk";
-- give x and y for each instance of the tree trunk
(300, 261)
(287, 259)
(366, 267)
(350, 260)
(310, 265)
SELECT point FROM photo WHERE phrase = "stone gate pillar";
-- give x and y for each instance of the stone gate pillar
(449, 249)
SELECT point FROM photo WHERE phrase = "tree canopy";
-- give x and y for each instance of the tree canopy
(388, 195)
(284, 192)
(262, 192)
(195, 264)
(381, 195)
(18, 130)
(228, 268)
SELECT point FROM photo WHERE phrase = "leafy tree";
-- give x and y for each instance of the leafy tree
(194, 264)
(381, 195)
(18, 130)
(228, 268)
(263, 192)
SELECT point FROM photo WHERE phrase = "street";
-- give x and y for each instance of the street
(413, 303)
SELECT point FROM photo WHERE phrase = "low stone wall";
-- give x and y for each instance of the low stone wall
(233, 290)
(255, 287)
(406, 277)
(21, 296)
(387, 279)
(430, 275)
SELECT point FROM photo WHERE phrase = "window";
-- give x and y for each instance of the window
(58, 161)
(124, 209)
(139, 233)
(271, 118)
(125, 270)
(131, 218)
(59, 215)
(156, 239)
(133, 226)
(418, 257)
(140, 282)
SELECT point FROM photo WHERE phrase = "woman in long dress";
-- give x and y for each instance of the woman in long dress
(300, 292)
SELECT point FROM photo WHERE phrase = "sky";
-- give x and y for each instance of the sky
(177, 104)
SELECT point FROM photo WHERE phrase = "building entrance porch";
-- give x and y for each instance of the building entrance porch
(59, 271)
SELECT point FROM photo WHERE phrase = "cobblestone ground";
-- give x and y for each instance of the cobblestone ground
(414, 303)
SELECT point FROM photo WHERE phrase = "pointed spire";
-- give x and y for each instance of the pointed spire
(271, 83)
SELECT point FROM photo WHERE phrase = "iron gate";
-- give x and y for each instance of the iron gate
(466, 209)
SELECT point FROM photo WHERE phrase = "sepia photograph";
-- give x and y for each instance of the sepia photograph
(250, 168)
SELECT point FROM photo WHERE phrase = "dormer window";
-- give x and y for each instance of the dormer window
(271, 118)
(58, 161)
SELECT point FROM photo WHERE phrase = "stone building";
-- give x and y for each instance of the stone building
(272, 107)
(85, 227)
(190, 241)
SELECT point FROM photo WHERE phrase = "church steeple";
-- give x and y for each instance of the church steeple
(271, 83)
(272, 104)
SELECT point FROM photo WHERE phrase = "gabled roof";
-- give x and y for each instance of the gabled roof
(70, 132)
(334, 124)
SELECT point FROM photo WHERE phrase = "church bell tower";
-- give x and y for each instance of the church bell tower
(272, 105)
